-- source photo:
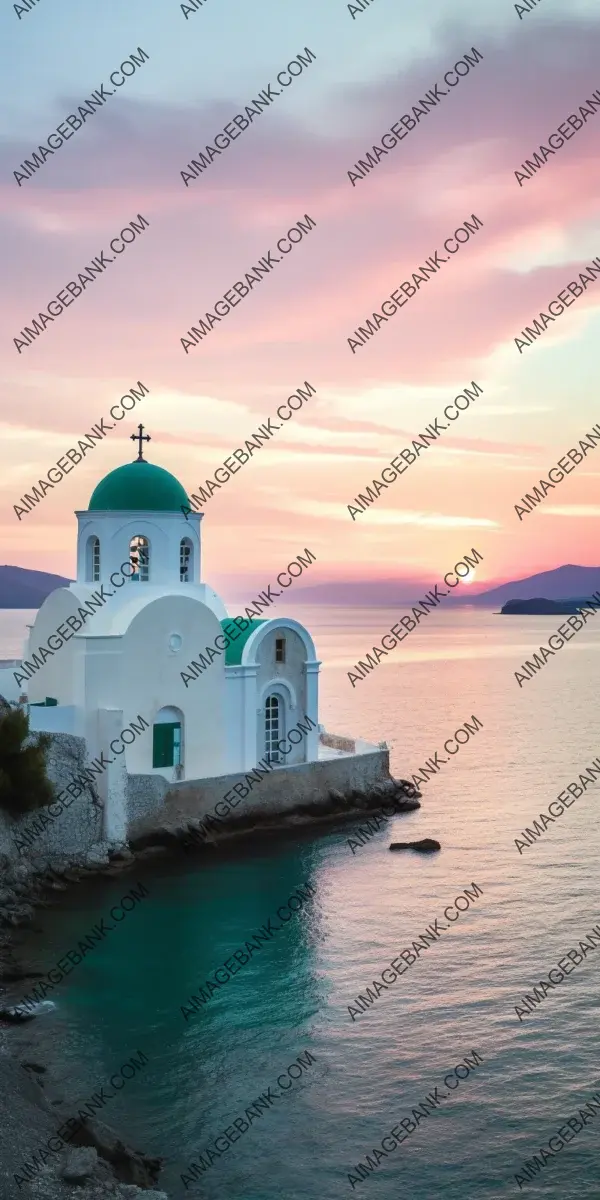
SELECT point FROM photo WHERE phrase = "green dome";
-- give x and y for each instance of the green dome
(138, 485)
(234, 651)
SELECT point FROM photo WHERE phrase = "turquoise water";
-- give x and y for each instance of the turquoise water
(294, 994)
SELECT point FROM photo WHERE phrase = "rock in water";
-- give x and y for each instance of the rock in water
(15, 1014)
(408, 805)
(80, 1164)
(425, 846)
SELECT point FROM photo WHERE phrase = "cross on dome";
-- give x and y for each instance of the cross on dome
(140, 437)
(139, 485)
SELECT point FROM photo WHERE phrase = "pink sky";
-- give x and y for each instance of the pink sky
(293, 327)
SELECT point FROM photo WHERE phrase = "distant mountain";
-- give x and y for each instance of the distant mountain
(20, 588)
(542, 607)
(368, 593)
(560, 584)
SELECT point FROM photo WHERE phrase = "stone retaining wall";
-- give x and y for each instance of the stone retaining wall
(337, 742)
(151, 802)
(277, 793)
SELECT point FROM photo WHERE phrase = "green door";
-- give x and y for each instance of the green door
(165, 737)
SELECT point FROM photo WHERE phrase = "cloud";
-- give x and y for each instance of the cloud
(383, 516)
(366, 241)
(461, 159)
(572, 510)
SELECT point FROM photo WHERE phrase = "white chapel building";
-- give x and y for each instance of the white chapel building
(126, 660)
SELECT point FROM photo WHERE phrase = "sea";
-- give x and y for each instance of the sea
(371, 1067)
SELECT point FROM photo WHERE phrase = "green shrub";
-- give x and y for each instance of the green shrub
(24, 784)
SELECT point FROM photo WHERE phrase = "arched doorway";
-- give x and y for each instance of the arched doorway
(167, 738)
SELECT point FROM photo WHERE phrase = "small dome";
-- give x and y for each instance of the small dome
(235, 650)
(138, 485)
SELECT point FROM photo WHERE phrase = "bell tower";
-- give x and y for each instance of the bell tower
(139, 530)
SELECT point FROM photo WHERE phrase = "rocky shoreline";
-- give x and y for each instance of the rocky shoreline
(97, 1164)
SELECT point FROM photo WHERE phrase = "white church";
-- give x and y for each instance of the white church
(137, 548)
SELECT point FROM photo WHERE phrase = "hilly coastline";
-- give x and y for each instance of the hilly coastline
(561, 583)
(21, 588)
(540, 606)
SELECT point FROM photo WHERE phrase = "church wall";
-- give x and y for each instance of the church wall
(150, 678)
(100, 687)
(57, 676)
(241, 717)
(59, 718)
(9, 689)
(291, 672)
(276, 793)
(235, 703)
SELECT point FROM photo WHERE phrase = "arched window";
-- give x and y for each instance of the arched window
(273, 728)
(186, 561)
(139, 557)
(92, 565)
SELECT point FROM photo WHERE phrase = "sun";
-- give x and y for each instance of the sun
(470, 578)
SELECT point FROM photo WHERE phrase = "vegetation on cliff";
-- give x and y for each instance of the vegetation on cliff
(24, 784)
